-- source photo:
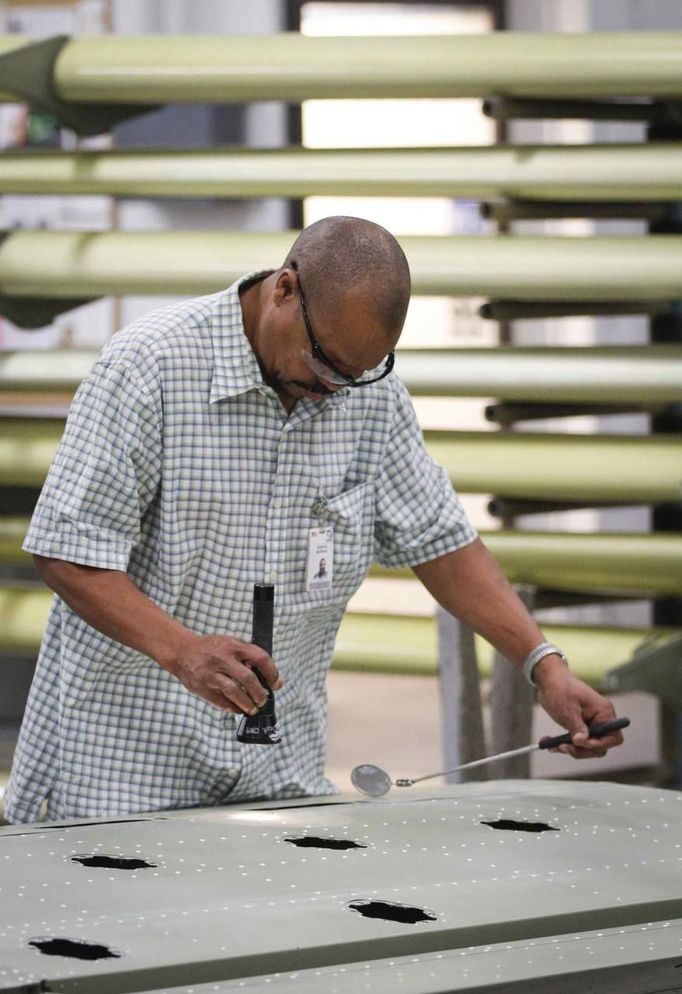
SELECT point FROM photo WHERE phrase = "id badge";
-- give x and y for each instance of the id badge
(320, 564)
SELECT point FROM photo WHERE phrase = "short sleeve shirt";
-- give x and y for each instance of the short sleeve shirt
(180, 466)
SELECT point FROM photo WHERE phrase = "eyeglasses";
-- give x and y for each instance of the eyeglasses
(323, 367)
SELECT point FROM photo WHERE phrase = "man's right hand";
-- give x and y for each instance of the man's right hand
(220, 669)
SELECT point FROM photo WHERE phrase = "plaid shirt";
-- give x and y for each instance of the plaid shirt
(180, 466)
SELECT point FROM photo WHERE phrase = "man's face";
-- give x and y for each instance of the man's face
(314, 350)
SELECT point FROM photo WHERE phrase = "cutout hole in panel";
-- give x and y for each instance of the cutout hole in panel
(406, 914)
(520, 826)
(74, 948)
(315, 842)
(114, 862)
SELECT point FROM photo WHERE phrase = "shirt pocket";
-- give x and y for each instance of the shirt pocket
(352, 515)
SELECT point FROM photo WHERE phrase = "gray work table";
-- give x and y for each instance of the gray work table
(514, 885)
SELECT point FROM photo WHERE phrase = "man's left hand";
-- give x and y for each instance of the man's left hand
(574, 705)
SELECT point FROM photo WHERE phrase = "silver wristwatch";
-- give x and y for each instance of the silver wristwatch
(534, 657)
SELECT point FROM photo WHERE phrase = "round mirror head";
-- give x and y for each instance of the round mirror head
(370, 779)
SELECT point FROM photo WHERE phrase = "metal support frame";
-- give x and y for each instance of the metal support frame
(667, 517)
(518, 209)
(36, 312)
(511, 708)
(460, 696)
(531, 310)
(503, 108)
(507, 508)
(511, 412)
(28, 72)
(511, 702)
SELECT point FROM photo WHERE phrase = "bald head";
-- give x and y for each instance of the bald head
(339, 257)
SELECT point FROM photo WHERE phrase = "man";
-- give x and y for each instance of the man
(220, 443)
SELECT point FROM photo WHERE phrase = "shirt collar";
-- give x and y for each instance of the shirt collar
(236, 368)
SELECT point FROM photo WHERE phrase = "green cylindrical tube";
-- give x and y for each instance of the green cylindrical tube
(294, 67)
(75, 264)
(12, 531)
(560, 375)
(45, 369)
(647, 173)
(27, 446)
(408, 645)
(369, 642)
(645, 469)
(23, 615)
(617, 375)
(646, 564)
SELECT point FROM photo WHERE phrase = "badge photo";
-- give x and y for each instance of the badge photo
(320, 564)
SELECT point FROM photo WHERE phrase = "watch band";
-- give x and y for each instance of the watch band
(534, 657)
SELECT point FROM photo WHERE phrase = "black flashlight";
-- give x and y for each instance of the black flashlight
(261, 728)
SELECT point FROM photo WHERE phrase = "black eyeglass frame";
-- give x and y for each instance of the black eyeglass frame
(319, 354)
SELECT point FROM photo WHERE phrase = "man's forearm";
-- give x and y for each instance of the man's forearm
(109, 601)
(470, 584)
(219, 668)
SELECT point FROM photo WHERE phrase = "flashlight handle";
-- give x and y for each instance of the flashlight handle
(263, 619)
(261, 728)
(595, 732)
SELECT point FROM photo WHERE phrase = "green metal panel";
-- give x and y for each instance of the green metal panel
(599, 172)
(641, 374)
(76, 264)
(549, 466)
(228, 898)
(295, 67)
(636, 960)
